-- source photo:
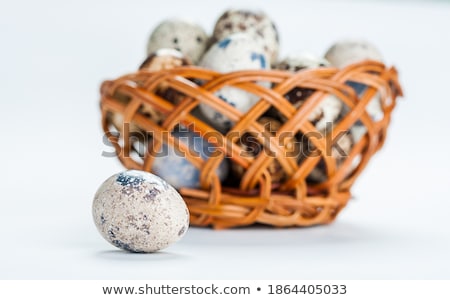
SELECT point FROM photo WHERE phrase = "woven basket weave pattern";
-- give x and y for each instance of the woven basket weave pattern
(256, 199)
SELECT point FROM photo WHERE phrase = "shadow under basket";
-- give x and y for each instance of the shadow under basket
(142, 108)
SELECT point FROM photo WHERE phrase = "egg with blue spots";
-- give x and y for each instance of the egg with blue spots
(239, 51)
(139, 212)
(254, 23)
(176, 169)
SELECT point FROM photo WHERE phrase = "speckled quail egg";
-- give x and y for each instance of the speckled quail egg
(255, 23)
(238, 51)
(182, 35)
(139, 212)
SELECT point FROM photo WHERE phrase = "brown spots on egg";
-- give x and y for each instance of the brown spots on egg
(130, 222)
(228, 26)
(256, 24)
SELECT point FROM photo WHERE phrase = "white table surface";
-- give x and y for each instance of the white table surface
(54, 55)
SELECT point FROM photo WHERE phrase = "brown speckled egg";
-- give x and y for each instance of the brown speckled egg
(139, 212)
(183, 35)
(257, 24)
(238, 51)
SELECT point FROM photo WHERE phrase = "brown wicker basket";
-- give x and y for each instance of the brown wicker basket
(255, 199)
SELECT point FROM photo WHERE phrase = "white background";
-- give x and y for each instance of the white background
(54, 55)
